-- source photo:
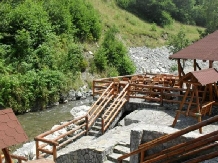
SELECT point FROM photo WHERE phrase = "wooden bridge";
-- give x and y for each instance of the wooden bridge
(112, 94)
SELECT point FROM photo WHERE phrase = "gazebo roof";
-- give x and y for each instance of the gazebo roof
(204, 49)
(11, 132)
(203, 77)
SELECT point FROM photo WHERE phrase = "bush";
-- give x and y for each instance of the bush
(114, 54)
(178, 42)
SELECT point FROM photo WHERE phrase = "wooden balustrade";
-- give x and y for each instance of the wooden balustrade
(114, 109)
(54, 142)
(18, 158)
(184, 149)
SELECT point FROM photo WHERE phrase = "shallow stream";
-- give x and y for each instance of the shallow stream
(35, 123)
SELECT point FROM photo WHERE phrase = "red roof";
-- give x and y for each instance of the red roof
(206, 76)
(204, 49)
(11, 132)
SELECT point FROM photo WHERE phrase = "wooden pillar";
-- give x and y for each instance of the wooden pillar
(87, 124)
(198, 106)
(37, 149)
(179, 68)
(1, 156)
(195, 65)
(102, 125)
(54, 152)
(210, 64)
(210, 92)
(7, 156)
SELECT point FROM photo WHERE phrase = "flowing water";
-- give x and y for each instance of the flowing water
(35, 123)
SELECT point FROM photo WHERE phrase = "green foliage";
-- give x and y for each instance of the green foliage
(151, 10)
(113, 54)
(153, 27)
(173, 68)
(85, 19)
(178, 41)
(100, 60)
(193, 12)
(111, 72)
(210, 12)
(39, 57)
(22, 92)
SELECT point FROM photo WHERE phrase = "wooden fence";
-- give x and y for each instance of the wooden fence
(178, 152)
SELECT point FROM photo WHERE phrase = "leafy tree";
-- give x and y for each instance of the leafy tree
(211, 14)
(39, 57)
(183, 12)
(85, 19)
(113, 54)
(155, 11)
(178, 41)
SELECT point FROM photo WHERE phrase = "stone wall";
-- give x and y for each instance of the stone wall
(140, 136)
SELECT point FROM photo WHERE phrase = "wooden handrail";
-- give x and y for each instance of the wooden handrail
(169, 137)
(60, 127)
(115, 106)
(104, 102)
(100, 98)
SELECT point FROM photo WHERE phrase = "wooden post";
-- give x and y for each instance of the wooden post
(142, 156)
(102, 125)
(210, 64)
(7, 155)
(198, 107)
(195, 66)
(179, 68)
(211, 92)
(87, 124)
(54, 152)
(37, 149)
(93, 88)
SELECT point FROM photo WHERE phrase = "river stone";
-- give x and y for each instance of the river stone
(79, 111)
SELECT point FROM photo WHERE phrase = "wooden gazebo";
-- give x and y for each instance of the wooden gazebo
(205, 49)
(201, 93)
(11, 133)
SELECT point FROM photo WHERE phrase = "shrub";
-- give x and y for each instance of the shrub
(113, 53)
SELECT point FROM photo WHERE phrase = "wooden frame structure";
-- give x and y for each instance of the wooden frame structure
(197, 80)
(204, 49)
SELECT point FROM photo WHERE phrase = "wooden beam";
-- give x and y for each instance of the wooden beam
(210, 64)
(195, 66)
(7, 155)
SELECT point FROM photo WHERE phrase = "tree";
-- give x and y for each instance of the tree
(178, 41)
(114, 54)
(211, 14)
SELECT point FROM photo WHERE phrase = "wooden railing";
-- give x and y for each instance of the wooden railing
(18, 158)
(82, 124)
(178, 152)
(114, 109)
(98, 107)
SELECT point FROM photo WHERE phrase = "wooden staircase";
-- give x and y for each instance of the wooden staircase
(105, 110)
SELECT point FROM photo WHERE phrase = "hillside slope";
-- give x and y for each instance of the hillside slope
(135, 32)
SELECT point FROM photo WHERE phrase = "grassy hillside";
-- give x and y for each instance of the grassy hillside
(134, 31)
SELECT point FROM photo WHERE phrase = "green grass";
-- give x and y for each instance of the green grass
(136, 32)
